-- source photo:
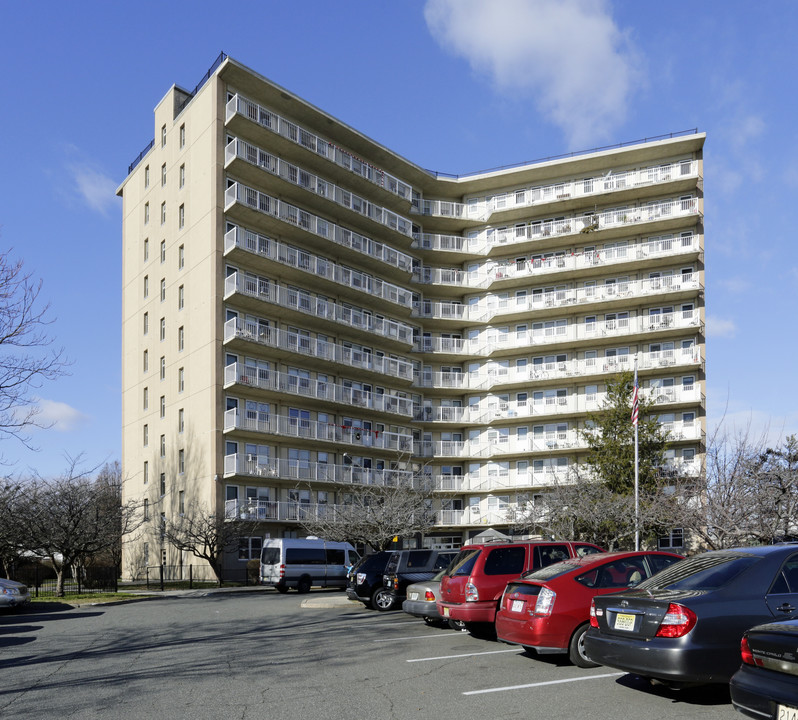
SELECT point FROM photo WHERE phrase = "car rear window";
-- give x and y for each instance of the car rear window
(550, 571)
(505, 561)
(708, 571)
(463, 564)
(418, 558)
(270, 556)
(443, 560)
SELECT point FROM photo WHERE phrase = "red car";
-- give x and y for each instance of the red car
(548, 610)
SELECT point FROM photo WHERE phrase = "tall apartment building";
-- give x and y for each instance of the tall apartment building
(305, 311)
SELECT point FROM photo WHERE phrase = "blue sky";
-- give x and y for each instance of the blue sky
(455, 86)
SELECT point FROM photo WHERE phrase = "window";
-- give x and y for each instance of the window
(147, 176)
(162, 483)
(163, 136)
(181, 257)
(163, 367)
(162, 406)
(146, 249)
(182, 175)
(180, 297)
(146, 435)
(146, 361)
(181, 502)
(163, 289)
(146, 285)
(181, 217)
(146, 322)
(162, 446)
(146, 472)
(181, 380)
(181, 339)
(674, 540)
(146, 509)
(181, 420)
(181, 461)
(163, 251)
(146, 399)
(163, 212)
(146, 212)
(163, 329)
(163, 174)
(183, 135)
(249, 548)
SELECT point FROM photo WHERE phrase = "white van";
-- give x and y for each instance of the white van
(299, 563)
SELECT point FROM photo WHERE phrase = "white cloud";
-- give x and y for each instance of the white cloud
(720, 328)
(96, 189)
(569, 54)
(59, 416)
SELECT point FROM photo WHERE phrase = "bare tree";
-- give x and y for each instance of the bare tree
(374, 514)
(204, 534)
(11, 539)
(26, 356)
(69, 519)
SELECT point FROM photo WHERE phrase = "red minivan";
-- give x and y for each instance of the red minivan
(472, 585)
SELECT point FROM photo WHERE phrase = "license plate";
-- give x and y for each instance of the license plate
(786, 713)
(517, 606)
(624, 622)
(413, 596)
(445, 612)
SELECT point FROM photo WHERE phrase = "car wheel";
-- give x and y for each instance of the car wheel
(381, 600)
(458, 625)
(281, 588)
(576, 649)
(303, 586)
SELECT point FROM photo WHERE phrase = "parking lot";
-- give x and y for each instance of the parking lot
(264, 655)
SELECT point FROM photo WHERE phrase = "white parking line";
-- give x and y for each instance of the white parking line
(449, 657)
(442, 636)
(541, 684)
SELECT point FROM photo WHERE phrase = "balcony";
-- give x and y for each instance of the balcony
(315, 265)
(274, 381)
(265, 118)
(306, 180)
(307, 346)
(500, 480)
(491, 341)
(301, 301)
(311, 430)
(260, 202)
(259, 466)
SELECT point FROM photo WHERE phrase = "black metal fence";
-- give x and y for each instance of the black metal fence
(42, 580)
(163, 576)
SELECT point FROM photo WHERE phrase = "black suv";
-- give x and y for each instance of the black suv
(406, 567)
(365, 581)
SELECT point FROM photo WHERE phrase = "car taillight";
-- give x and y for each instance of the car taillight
(593, 618)
(396, 583)
(282, 571)
(747, 654)
(545, 603)
(429, 596)
(361, 578)
(678, 621)
(471, 594)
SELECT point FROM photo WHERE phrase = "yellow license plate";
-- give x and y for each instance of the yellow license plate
(624, 622)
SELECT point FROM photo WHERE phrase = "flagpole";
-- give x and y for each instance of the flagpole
(635, 418)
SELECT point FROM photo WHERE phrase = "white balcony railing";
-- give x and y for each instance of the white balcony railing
(264, 117)
(268, 205)
(300, 177)
(299, 427)
(315, 265)
(304, 344)
(309, 304)
(262, 379)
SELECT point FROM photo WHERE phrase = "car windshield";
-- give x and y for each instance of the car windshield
(550, 571)
(463, 563)
(708, 571)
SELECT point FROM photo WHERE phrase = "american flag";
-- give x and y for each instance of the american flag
(635, 402)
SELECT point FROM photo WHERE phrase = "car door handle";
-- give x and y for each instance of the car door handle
(785, 608)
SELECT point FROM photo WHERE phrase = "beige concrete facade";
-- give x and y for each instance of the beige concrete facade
(305, 311)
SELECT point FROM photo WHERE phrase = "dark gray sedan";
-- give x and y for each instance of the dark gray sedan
(684, 625)
(766, 685)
